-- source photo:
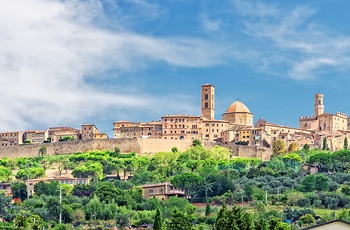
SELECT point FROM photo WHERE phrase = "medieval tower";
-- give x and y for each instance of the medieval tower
(318, 107)
(208, 101)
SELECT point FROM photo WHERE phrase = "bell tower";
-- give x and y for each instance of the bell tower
(208, 101)
(318, 107)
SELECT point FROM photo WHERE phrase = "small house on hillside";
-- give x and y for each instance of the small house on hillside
(161, 191)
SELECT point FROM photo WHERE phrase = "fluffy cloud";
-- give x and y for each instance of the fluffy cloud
(50, 49)
(296, 42)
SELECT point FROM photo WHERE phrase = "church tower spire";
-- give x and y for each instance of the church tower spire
(318, 107)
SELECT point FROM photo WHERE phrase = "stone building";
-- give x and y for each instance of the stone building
(161, 191)
(36, 136)
(9, 139)
(90, 131)
(238, 115)
(190, 127)
(182, 127)
(128, 129)
(57, 133)
(322, 121)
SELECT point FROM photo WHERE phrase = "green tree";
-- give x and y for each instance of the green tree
(54, 208)
(325, 144)
(293, 147)
(107, 192)
(179, 221)
(261, 224)
(346, 144)
(207, 209)
(306, 147)
(5, 174)
(94, 208)
(34, 222)
(78, 215)
(236, 218)
(122, 219)
(346, 190)
(42, 151)
(117, 151)
(41, 188)
(306, 220)
(60, 227)
(34, 173)
(19, 222)
(276, 224)
(278, 147)
(158, 224)
(321, 182)
(308, 183)
(19, 190)
(188, 181)
(196, 142)
(174, 149)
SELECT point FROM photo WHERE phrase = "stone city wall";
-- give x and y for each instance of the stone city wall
(249, 151)
(126, 145)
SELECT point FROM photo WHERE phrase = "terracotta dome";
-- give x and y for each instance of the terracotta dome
(237, 107)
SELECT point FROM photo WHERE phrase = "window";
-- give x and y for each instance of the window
(206, 105)
(206, 124)
(206, 97)
(150, 191)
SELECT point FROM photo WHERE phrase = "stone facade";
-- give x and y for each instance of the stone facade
(127, 145)
(208, 102)
(36, 136)
(11, 139)
(322, 121)
(127, 129)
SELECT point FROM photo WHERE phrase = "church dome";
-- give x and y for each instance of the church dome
(237, 107)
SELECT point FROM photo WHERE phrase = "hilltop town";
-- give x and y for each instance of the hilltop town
(236, 126)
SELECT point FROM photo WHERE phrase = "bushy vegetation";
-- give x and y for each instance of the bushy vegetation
(274, 190)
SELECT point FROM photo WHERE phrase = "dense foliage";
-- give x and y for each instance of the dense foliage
(274, 190)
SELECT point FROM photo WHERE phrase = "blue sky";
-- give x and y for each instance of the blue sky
(74, 62)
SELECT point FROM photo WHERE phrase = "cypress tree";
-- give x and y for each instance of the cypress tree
(306, 147)
(346, 143)
(325, 144)
(179, 221)
(207, 209)
(157, 224)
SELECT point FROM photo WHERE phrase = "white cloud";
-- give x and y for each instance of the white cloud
(210, 25)
(305, 48)
(48, 49)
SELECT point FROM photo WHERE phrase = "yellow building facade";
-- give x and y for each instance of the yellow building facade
(36, 136)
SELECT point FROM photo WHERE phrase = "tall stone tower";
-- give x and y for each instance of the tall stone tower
(318, 107)
(208, 101)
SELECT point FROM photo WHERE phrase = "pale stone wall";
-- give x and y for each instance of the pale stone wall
(126, 145)
(67, 147)
(162, 145)
(249, 151)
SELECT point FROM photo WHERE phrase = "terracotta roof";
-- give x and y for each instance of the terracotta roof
(237, 107)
